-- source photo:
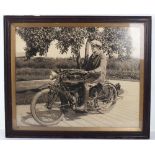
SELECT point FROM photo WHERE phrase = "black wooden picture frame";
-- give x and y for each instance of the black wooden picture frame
(99, 134)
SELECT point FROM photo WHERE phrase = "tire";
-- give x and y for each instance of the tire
(40, 112)
(107, 98)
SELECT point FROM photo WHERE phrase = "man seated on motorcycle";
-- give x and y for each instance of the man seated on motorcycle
(95, 66)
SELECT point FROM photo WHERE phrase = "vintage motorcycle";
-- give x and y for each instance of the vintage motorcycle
(47, 108)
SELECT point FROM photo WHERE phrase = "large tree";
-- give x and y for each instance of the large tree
(38, 39)
(114, 40)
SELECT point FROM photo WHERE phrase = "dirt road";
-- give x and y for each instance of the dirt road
(124, 114)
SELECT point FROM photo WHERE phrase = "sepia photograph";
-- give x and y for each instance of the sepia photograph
(78, 76)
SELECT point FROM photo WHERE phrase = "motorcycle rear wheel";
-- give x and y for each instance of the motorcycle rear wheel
(41, 113)
(107, 98)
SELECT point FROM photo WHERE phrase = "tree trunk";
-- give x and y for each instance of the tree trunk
(46, 50)
(87, 49)
(78, 60)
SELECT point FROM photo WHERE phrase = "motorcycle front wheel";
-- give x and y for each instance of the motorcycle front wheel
(42, 113)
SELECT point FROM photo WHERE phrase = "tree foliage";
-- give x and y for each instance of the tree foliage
(70, 37)
(37, 39)
(74, 37)
(116, 40)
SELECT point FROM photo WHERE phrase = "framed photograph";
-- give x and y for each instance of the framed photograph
(77, 76)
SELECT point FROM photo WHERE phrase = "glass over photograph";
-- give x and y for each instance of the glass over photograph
(77, 76)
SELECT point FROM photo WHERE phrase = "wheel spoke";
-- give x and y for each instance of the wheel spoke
(107, 97)
(41, 113)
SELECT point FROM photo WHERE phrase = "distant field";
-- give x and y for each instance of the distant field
(39, 68)
(26, 74)
(25, 90)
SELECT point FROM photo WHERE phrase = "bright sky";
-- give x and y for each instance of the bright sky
(135, 33)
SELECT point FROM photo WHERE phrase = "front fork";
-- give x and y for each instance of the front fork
(55, 93)
(52, 95)
(50, 99)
